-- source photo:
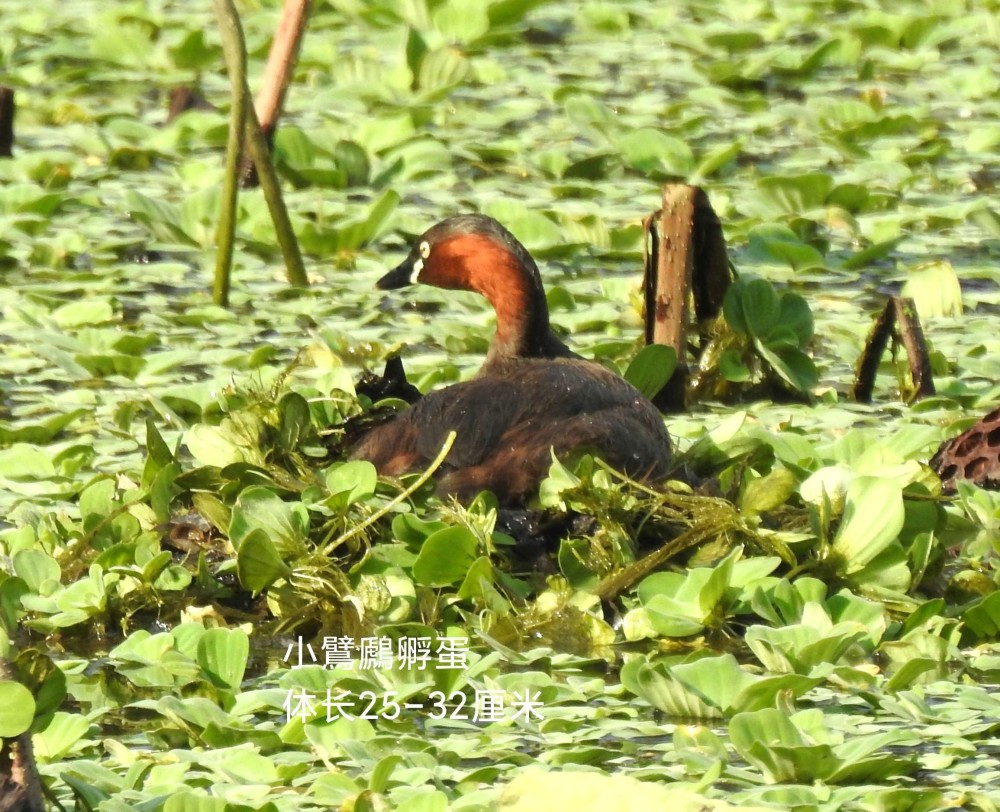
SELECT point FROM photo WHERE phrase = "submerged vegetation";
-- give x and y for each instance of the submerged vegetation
(207, 607)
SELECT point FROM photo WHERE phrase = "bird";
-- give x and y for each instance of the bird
(532, 397)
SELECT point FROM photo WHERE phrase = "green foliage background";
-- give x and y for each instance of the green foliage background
(849, 150)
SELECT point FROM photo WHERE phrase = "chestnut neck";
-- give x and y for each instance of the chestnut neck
(515, 292)
(507, 276)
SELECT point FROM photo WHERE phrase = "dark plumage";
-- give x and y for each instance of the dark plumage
(506, 427)
(532, 394)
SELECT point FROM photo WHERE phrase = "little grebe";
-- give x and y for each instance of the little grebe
(532, 394)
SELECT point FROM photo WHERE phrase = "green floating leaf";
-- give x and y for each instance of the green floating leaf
(795, 315)
(772, 242)
(352, 236)
(222, 654)
(768, 492)
(672, 618)
(194, 52)
(674, 601)
(164, 220)
(593, 167)
(479, 584)
(440, 71)
(717, 159)
(761, 307)
(987, 219)
(710, 687)
(654, 684)
(531, 227)
(258, 562)
(983, 617)
(751, 306)
(105, 365)
(214, 445)
(737, 40)
(90, 797)
(36, 569)
(446, 557)
(294, 420)
(651, 368)
(28, 198)
(351, 482)
(247, 767)
(584, 110)
(411, 529)
(198, 214)
(156, 449)
(23, 462)
(416, 49)
(294, 148)
(163, 489)
(47, 681)
(97, 501)
(911, 671)
(192, 801)
(573, 563)
(559, 480)
(461, 22)
(873, 518)
(17, 709)
(41, 432)
(286, 524)
(352, 159)
(83, 312)
(797, 195)
(800, 648)
(732, 367)
(792, 365)
(796, 749)
(935, 289)
(655, 153)
(851, 197)
(588, 230)
(510, 12)
(768, 739)
(732, 306)
(779, 326)
(871, 254)
(61, 735)
(588, 791)
(379, 781)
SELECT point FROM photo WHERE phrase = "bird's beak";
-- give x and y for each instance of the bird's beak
(402, 275)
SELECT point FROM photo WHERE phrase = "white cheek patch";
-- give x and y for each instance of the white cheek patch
(418, 266)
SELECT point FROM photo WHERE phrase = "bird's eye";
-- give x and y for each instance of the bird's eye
(424, 249)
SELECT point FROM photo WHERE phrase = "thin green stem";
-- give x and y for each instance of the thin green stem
(236, 64)
(257, 147)
(378, 514)
(234, 48)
